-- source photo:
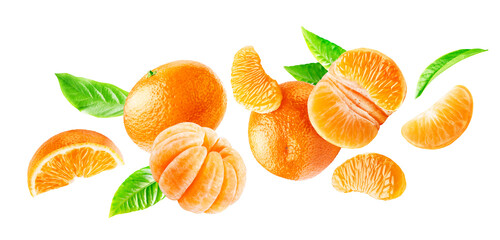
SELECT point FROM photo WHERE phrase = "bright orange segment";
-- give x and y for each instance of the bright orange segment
(374, 72)
(371, 173)
(228, 190)
(252, 87)
(284, 142)
(207, 185)
(443, 123)
(70, 154)
(360, 91)
(194, 166)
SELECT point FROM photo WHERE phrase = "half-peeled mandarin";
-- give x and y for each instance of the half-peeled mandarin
(359, 92)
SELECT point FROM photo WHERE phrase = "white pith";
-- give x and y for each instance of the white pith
(64, 150)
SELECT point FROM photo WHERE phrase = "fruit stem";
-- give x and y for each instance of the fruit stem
(151, 73)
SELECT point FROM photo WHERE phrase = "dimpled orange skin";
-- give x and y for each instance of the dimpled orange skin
(198, 169)
(67, 139)
(180, 91)
(370, 173)
(284, 141)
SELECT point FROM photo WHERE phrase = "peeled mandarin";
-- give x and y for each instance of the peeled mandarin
(195, 167)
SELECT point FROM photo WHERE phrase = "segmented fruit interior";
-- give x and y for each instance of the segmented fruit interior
(73, 161)
(373, 174)
(357, 95)
(343, 114)
(376, 73)
(192, 165)
(443, 123)
(252, 87)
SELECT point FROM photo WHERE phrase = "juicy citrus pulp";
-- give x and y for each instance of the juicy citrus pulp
(252, 87)
(198, 169)
(70, 154)
(361, 89)
(371, 173)
(443, 123)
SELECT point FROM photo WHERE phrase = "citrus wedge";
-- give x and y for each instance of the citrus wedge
(370, 173)
(252, 87)
(70, 154)
(443, 123)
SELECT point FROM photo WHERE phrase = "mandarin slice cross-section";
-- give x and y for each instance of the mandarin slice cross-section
(197, 168)
(71, 154)
(359, 92)
(252, 87)
(370, 173)
(443, 123)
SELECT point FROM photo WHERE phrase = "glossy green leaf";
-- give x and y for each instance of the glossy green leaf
(95, 98)
(139, 191)
(323, 50)
(441, 64)
(309, 73)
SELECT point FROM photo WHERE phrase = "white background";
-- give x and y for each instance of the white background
(451, 192)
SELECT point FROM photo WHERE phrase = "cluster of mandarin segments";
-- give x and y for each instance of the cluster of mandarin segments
(443, 123)
(71, 154)
(373, 174)
(361, 89)
(299, 136)
(198, 169)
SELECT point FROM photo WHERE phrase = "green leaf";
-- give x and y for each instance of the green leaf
(323, 50)
(441, 64)
(95, 98)
(309, 73)
(139, 191)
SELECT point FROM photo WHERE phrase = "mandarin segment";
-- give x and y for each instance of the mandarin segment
(207, 185)
(232, 157)
(371, 173)
(340, 118)
(197, 168)
(181, 171)
(284, 142)
(252, 87)
(228, 190)
(71, 154)
(443, 123)
(166, 151)
(376, 73)
(180, 91)
(355, 97)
